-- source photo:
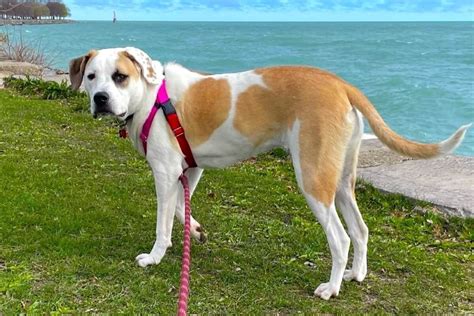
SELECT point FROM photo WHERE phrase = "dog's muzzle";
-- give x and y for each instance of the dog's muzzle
(102, 106)
(101, 101)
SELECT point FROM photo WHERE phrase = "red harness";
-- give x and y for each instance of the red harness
(163, 101)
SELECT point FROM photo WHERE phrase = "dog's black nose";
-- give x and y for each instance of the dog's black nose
(101, 99)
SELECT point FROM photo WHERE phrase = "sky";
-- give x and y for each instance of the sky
(273, 10)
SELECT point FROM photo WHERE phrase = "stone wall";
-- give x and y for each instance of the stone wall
(30, 22)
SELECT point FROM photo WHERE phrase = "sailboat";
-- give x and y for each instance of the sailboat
(115, 18)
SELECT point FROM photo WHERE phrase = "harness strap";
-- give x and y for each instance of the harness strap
(147, 126)
(163, 101)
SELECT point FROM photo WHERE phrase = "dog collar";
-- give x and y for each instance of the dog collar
(163, 101)
(123, 133)
(129, 118)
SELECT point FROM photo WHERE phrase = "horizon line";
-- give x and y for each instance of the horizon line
(276, 21)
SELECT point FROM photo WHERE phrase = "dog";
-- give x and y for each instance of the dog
(227, 118)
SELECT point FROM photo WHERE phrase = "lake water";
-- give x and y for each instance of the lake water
(420, 76)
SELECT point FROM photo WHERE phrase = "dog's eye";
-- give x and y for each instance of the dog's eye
(118, 77)
(91, 76)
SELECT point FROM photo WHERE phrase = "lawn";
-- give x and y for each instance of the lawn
(77, 204)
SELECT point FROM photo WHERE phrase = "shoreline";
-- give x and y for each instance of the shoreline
(4, 22)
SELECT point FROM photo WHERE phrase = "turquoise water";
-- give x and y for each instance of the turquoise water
(420, 76)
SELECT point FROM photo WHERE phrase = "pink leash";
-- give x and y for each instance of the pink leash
(163, 102)
(186, 261)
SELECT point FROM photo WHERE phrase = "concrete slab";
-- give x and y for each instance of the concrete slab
(374, 153)
(447, 182)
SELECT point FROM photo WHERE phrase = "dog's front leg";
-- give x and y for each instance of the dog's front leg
(193, 174)
(166, 183)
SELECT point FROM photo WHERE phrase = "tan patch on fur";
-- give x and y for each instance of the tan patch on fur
(77, 67)
(322, 149)
(126, 65)
(318, 100)
(151, 71)
(203, 108)
(261, 114)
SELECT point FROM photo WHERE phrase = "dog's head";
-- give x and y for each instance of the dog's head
(115, 79)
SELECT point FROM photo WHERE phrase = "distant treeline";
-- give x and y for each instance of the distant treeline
(33, 10)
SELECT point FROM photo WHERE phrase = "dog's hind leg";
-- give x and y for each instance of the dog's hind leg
(193, 174)
(318, 160)
(347, 205)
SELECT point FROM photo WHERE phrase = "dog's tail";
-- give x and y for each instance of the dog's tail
(396, 142)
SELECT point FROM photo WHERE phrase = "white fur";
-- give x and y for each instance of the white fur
(454, 140)
(347, 205)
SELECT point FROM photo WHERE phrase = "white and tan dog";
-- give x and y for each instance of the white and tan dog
(231, 117)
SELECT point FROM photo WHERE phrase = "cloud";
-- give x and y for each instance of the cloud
(282, 5)
(99, 4)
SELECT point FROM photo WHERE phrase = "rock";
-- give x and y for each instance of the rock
(23, 69)
(54, 75)
(10, 67)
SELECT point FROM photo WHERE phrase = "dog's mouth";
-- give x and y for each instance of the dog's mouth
(106, 113)
(99, 115)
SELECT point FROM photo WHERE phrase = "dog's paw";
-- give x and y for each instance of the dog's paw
(146, 259)
(199, 234)
(326, 291)
(350, 275)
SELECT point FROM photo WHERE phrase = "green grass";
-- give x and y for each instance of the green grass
(77, 204)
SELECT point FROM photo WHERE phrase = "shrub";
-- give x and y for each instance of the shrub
(14, 47)
(49, 90)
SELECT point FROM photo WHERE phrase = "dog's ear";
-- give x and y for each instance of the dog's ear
(151, 70)
(77, 67)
